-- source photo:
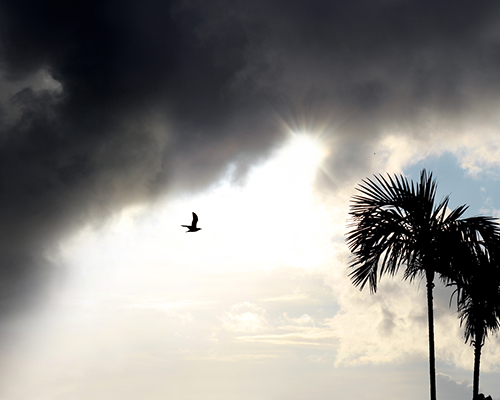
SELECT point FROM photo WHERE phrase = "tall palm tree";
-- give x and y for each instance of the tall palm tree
(396, 222)
(476, 275)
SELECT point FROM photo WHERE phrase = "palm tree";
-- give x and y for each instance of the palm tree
(476, 275)
(395, 222)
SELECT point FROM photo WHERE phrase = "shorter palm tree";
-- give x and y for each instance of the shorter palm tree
(476, 274)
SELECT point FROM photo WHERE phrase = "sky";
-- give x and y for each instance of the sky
(118, 120)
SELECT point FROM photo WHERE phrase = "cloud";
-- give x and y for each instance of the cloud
(287, 339)
(162, 305)
(246, 317)
(301, 331)
(177, 309)
(449, 389)
(320, 359)
(390, 326)
(107, 107)
(298, 332)
(304, 319)
(288, 297)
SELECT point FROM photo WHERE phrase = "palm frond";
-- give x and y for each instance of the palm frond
(475, 273)
(395, 222)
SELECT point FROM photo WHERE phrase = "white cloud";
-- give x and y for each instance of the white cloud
(319, 359)
(304, 319)
(176, 309)
(301, 331)
(391, 325)
(245, 317)
(288, 298)
(166, 306)
(315, 337)
(477, 148)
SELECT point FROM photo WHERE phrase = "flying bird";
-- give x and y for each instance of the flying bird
(192, 227)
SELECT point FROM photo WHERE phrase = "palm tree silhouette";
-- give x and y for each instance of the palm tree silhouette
(395, 222)
(476, 275)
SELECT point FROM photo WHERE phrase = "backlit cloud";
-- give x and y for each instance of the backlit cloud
(119, 120)
(245, 317)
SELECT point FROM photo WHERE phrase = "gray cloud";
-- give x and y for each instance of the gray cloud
(364, 68)
(161, 91)
(450, 389)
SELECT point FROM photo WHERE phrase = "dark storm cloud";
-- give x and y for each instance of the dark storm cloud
(157, 90)
(366, 67)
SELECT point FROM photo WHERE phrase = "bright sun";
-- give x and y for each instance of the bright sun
(299, 159)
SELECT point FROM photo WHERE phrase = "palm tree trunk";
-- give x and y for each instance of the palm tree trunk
(430, 314)
(478, 344)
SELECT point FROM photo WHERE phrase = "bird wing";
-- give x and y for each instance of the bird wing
(195, 220)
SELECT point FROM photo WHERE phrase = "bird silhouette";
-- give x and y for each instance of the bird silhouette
(192, 227)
